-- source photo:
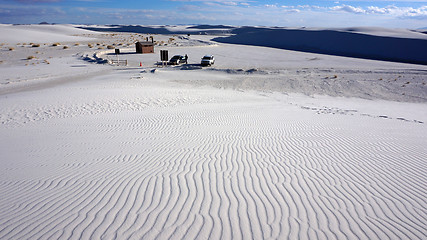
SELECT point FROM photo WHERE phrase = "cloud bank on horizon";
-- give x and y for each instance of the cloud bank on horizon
(293, 13)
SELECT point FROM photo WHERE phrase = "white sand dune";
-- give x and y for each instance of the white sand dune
(214, 154)
(204, 163)
(42, 33)
(386, 32)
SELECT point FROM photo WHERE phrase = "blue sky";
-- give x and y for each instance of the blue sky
(292, 13)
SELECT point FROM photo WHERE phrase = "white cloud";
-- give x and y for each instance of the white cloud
(378, 10)
(230, 3)
(290, 9)
(270, 5)
(394, 11)
(348, 8)
(415, 12)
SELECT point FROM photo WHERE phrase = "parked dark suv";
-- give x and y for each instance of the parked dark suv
(176, 60)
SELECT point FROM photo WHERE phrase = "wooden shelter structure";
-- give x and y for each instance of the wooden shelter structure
(144, 47)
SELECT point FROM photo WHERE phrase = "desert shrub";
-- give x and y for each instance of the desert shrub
(35, 45)
(76, 44)
(11, 48)
(90, 45)
(30, 57)
(100, 47)
(65, 47)
(56, 44)
(110, 47)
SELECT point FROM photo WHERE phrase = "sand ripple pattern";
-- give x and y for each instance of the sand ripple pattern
(249, 172)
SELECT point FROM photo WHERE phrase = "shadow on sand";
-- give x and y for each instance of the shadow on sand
(204, 29)
(131, 29)
(333, 42)
(181, 66)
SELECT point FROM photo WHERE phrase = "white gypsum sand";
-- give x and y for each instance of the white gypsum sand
(245, 149)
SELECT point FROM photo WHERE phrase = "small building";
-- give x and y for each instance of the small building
(144, 47)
